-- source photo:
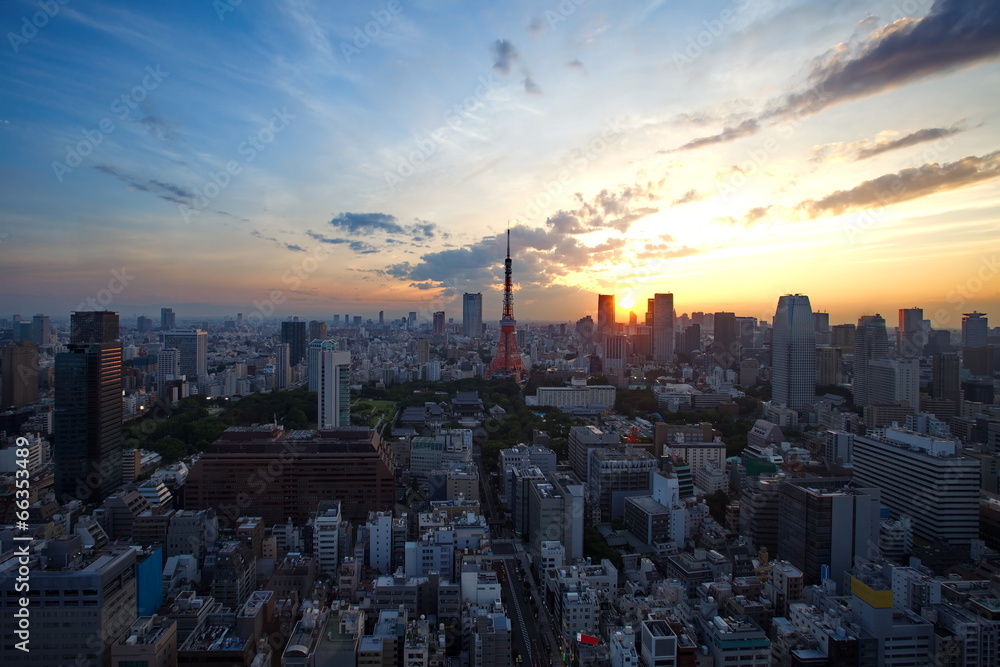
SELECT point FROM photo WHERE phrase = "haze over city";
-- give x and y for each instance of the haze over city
(369, 156)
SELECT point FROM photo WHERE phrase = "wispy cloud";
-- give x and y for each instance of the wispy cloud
(354, 245)
(883, 142)
(906, 185)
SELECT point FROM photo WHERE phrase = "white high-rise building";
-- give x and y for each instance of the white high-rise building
(315, 347)
(925, 478)
(168, 367)
(326, 538)
(334, 389)
(793, 352)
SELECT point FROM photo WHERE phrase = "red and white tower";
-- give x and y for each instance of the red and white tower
(507, 361)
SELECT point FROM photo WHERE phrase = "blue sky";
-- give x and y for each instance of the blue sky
(311, 158)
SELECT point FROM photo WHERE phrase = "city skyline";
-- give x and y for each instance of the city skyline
(728, 153)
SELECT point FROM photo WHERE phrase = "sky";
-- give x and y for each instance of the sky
(318, 158)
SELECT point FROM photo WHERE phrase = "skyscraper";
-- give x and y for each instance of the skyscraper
(472, 315)
(93, 326)
(870, 343)
(41, 330)
(439, 323)
(294, 333)
(193, 346)
(945, 374)
(793, 352)
(88, 409)
(282, 369)
(334, 389)
(726, 342)
(19, 368)
(663, 328)
(168, 320)
(315, 347)
(605, 315)
(317, 330)
(975, 330)
(168, 367)
(910, 334)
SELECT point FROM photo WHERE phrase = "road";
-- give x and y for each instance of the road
(526, 626)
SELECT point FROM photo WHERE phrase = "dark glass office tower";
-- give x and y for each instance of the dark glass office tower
(88, 410)
(294, 333)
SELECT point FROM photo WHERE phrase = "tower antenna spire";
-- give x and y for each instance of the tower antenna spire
(507, 360)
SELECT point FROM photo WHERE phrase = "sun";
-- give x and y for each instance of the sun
(626, 301)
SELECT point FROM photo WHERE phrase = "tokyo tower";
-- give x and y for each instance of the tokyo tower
(507, 361)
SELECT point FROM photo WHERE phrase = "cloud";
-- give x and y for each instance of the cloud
(281, 244)
(159, 128)
(504, 56)
(576, 64)
(367, 223)
(359, 247)
(905, 185)
(954, 34)
(665, 251)
(531, 87)
(744, 129)
(884, 142)
(166, 191)
(688, 197)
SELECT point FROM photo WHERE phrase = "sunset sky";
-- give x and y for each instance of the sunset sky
(312, 158)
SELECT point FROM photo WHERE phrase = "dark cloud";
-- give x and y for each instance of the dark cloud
(744, 129)
(531, 87)
(157, 127)
(359, 247)
(883, 143)
(954, 34)
(687, 198)
(280, 244)
(367, 223)
(165, 191)
(609, 209)
(906, 185)
(911, 139)
(504, 56)
(576, 64)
